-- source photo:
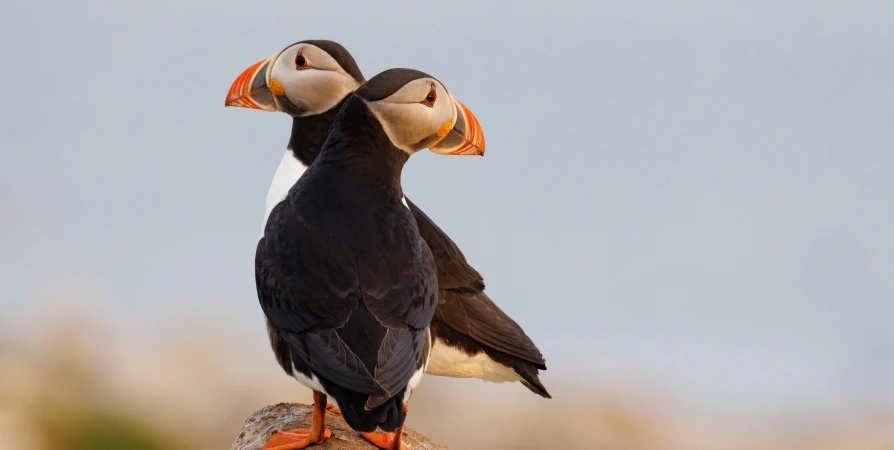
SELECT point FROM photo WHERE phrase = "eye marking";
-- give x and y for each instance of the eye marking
(431, 98)
(301, 61)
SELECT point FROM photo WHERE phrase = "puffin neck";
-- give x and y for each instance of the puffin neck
(358, 143)
(310, 132)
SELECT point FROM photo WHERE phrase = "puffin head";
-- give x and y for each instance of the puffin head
(416, 111)
(304, 79)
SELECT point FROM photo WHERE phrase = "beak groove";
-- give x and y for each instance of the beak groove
(250, 90)
(465, 138)
(474, 144)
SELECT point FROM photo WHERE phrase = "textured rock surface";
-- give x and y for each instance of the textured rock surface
(283, 416)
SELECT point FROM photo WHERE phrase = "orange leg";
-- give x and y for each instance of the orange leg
(388, 441)
(302, 437)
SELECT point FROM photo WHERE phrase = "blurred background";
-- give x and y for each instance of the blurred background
(687, 205)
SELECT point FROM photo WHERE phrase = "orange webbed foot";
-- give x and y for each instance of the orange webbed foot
(333, 409)
(384, 441)
(294, 439)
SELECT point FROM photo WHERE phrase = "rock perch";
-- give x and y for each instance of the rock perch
(284, 416)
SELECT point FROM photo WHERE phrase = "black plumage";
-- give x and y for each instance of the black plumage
(346, 283)
(466, 318)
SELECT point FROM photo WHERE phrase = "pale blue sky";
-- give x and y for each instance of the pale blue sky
(695, 192)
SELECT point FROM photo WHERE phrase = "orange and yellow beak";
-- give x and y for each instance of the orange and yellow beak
(251, 90)
(465, 137)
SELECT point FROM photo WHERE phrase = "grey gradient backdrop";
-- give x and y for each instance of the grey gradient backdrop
(698, 194)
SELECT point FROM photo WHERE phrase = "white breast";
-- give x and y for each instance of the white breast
(287, 174)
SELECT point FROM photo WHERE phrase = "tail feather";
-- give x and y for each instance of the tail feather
(531, 377)
(388, 417)
(537, 388)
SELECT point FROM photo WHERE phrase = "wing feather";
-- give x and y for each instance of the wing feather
(462, 303)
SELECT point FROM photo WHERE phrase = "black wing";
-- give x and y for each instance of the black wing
(309, 286)
(406, 310)
(462, 304)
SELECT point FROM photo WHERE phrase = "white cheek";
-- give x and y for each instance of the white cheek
(430, 119)
(406, 124)
(445, 111)
(316, 90)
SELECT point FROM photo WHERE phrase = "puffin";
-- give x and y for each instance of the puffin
(343, 276)
(471, 336)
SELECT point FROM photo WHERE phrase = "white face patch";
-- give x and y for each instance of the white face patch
(407, 120)
(315, 87)
(287, 174)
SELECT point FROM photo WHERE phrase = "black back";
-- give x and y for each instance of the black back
(358, 143)
(466, 317)
(343, 276)
(309, 133)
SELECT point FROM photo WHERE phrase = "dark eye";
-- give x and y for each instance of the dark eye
(431, 97)
(300, 61)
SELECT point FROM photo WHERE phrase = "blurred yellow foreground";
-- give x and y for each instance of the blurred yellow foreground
(78, 383)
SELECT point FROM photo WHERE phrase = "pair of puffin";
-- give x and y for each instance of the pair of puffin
(363, 292)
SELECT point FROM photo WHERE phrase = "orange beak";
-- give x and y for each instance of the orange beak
(250, 89)
(465, 138)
